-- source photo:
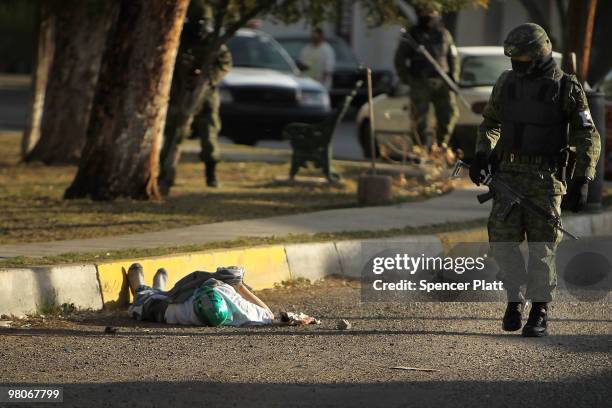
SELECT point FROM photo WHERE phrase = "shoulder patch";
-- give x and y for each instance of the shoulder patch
(586, 119)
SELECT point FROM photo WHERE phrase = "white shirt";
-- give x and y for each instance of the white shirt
(243, 312)
(321, 60)
(182, 313)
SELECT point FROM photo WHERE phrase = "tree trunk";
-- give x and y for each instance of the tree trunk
(42, 63)
(80, 38)
(125, 130)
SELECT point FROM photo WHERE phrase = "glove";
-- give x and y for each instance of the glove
(479, 165)
(577, 193)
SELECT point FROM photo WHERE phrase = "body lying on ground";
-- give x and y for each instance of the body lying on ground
(198, 299)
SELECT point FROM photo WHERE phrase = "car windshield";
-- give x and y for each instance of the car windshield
(344, 55)
(259, 52)
(482, 70)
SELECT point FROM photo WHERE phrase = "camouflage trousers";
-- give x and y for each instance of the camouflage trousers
(433, 91)
(538, 275)
(207, 125)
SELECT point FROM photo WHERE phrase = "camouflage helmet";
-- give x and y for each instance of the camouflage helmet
(528, 39)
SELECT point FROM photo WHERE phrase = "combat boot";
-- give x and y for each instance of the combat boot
(536, 325)
(513, 316)
(210, 174)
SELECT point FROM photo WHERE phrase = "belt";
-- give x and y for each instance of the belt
(518, 158)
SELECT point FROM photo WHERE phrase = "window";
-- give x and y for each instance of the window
(259, 52)
(482, 70)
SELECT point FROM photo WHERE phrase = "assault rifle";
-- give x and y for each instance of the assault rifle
(512, 198)
(420, 48)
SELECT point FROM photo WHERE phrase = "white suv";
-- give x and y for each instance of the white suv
(480, 68)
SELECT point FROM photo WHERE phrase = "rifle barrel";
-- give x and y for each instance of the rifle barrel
(494, 184)
(406, 37)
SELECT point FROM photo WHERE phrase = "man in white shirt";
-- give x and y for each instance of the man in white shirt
(199, 299)
(320, 59)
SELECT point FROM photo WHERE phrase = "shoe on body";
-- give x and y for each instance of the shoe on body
(160, 279)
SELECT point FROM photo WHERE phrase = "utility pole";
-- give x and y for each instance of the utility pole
(580, 21)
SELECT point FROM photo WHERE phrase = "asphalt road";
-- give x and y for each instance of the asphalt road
(14, 96)
(478, 365)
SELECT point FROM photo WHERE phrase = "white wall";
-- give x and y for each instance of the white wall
(470, 26)
(472, 23)
(374, 47)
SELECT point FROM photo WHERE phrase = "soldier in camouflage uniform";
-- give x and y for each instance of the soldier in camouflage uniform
(190, 113)
(536, 113)
(426, 87)
(207, 124)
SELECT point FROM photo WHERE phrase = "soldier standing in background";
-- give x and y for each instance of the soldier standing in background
(535, 114)
(426, 87)
(207, 124)
(198, 59)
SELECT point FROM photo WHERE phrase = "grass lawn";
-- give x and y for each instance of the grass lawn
(32, 208)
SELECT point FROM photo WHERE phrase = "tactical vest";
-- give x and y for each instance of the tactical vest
(435, 42)
(533, 120)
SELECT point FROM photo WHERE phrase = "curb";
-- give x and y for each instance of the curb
(27, 290)
(30, 290)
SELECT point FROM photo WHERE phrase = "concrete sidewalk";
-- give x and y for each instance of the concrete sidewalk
(460, 205)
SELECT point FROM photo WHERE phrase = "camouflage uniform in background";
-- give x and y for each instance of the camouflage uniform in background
(194, 105)
(426, 87)
(194, 51)
(207, 124)
(526, 121)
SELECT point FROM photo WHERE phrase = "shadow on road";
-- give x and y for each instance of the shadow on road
(593, 391)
